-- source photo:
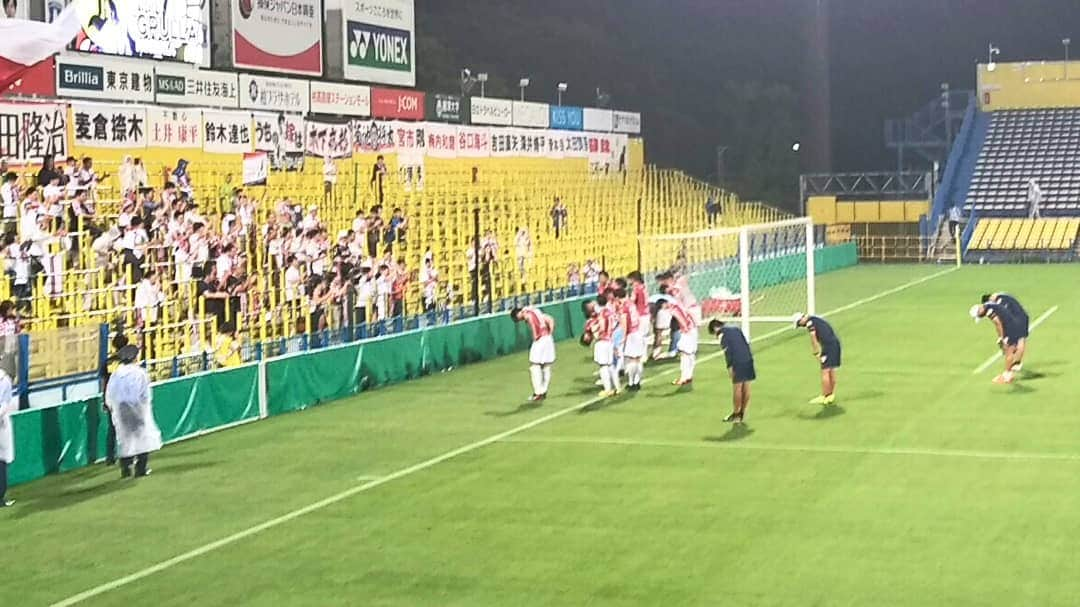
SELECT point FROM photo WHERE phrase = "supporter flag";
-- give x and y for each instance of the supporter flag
(24, 43)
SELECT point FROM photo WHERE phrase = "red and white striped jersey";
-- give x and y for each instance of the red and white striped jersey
(603, 325)
(641, 299)
(682, 315)
(630, 317)
(682, 293)
(537, 322)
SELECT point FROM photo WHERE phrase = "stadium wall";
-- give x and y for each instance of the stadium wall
(73, 435)
(1031, 85)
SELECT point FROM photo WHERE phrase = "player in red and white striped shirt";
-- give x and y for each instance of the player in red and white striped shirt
(633, 346)
(542, 351)
(688, 335)
(639, 300)
(678, 287)
(600, 331)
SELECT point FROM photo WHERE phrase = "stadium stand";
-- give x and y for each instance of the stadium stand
(1021, 145)
(69, 284)
(1025, 238)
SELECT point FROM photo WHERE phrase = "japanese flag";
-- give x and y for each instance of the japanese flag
(24, 43)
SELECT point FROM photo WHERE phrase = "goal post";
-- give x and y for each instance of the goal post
(757, 273)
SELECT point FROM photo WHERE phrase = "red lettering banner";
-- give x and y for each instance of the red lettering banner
(397, 103)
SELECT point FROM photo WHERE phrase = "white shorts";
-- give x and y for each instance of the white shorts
(604, 352)
(695, 312)
(542, 351)
(663, 320)
(644, 325)
(634, 346)
(688, 341)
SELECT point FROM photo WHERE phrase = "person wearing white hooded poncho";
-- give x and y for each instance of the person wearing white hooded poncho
(8, 405)
(129, 399)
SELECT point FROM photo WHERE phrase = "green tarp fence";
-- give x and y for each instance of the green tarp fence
(73, 434)
(299, 381)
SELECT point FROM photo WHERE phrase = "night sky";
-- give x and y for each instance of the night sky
(671, 59)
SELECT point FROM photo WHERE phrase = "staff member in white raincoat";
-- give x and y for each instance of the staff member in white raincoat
(129, 400)
(8, 405)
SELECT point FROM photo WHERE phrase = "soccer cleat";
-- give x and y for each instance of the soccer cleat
(535, 398)
(634, 387)
(1001, 380)
(733, 418)
(830, 400)
(147, 473)
(682, 382)
(7, 503)
(608, 393)
(817, 400)
(740, 419)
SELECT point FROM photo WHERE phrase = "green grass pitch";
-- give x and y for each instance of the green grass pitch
(927, 485)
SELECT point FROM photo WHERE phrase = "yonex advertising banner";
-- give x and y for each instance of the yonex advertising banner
(379, 41)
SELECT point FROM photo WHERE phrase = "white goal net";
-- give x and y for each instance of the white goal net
(754, 273)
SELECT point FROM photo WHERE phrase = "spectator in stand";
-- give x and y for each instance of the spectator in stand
(592, 273)
(329, 178)
(374, 230)
(127, 177)
(294, 280)
(559, 215)
(378, 176)
(489, 259)
(311, 220)
(141, 177)
(384, 281)
(399, 286)
(712, 210)
(134, 243)
(524, 248)
(148, 298)
(48, 171)
(9, 319)
(227, 193)
(9, 197)
(70, 179)
(471, 246)
(429, 278)
(227, 347)
(87, 178)
(182, 179)
(365, 293)
(395, 231)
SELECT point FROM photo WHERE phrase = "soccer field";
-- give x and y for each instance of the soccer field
(927, 485)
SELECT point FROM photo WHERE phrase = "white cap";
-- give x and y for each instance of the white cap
(975, 312)
(796, 317)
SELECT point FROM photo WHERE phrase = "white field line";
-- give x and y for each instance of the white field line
(424, 465)
(742, 446)
(1038, 321)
